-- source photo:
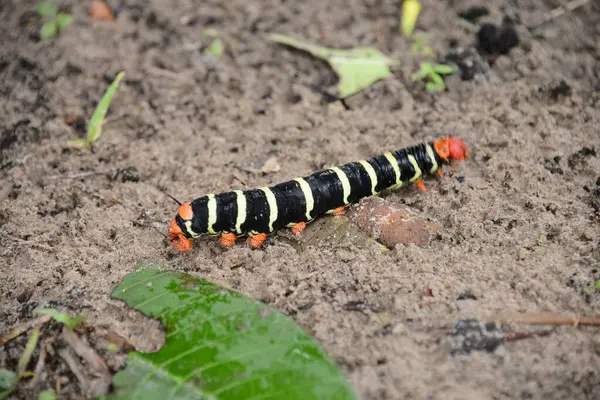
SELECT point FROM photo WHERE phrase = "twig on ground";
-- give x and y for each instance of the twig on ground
(57, 385)
(21, 328)
(78, 175)
(513, 336)
(559, 11)
(547, 319)
(39, 367)
(84, 351)
(75, 367)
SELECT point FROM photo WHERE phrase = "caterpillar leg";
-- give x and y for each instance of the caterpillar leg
(339, 211)
(228, 239)
(257, 240)
(421, 185)
(440, 173)
(298, 228)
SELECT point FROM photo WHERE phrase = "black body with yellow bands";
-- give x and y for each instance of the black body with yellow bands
(260, 211)
(267, 209)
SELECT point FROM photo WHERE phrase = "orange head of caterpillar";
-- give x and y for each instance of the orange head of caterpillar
(451, 149)
(179, 240)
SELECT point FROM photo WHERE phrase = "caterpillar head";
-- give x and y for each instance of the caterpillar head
(179, 240)
(450, 148)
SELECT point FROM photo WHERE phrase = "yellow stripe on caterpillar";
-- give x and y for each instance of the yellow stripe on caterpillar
(212, 213)
(415, 165)
(431, 155)
(308, 197)
(241, 210)
(272, 202)
(372, 175)
(345, 182)
(188, 228)
(390, 157)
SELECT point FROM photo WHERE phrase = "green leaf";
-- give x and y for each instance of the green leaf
(210, 33)
(63, 21)
(219, 345)
(216, 48)
(436, 84)
(70, 322)
(47, 395)
(425, 70)
(444, 69)
(95, 125)
(357, 68)
(438, 80)
(433, 87)
(46, 9)
(112, 347)
(48, 30)
(410, 14)
(8, 382)
(591, 289)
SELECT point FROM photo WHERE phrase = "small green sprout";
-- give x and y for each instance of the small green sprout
(95, 124)
(55, 21)
(220, 43)
(419, 46)
(47, 395)
(66, 319)
(112, 347)
(434, 74)
(592, 288)
(410, 13)
(541, 239)
(216, 47)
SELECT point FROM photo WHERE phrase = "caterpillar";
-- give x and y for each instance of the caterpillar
(295, 203)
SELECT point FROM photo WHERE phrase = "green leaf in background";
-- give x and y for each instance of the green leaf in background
(63, 21)
(47, 395)
(357, 68)
(95, 124)
(219, 345)
(47, 9)
(48, 30)
(8, 382)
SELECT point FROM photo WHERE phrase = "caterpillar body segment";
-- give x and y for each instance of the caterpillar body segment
(293, 204)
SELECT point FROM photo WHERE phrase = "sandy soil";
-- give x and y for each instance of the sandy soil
(520, 231)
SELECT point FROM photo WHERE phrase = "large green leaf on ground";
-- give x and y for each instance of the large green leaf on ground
(220, 345)
(356, 68)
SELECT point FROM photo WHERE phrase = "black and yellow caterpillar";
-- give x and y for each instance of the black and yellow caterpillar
(295, 203)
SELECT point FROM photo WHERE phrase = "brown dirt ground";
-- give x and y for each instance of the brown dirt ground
(70, 227)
